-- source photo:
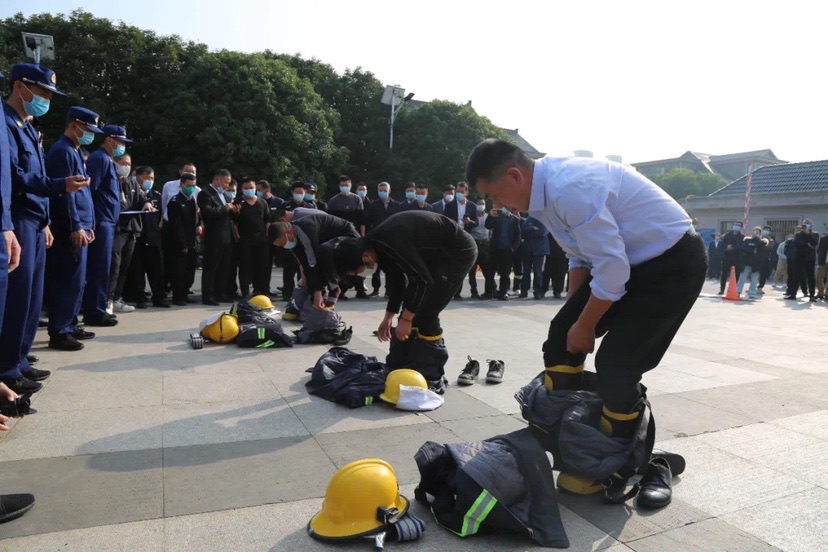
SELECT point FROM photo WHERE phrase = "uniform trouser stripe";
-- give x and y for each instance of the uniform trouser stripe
(477, 513)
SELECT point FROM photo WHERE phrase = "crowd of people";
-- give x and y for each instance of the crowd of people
(800, 262)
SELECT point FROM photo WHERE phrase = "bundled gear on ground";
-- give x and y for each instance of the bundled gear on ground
(265, 334)
(345, 377)
(425, 354)
(324, 326)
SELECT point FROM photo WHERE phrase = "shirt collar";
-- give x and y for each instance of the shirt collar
(537, 197)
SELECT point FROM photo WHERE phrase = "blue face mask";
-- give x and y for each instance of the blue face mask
(460, 196)
(737, 228)
(308, 197)
(260, 194)
(147, 185)
(383, 195)
(86, 138)
(119, 151)
(291, 244)
(766, 233)
(38, 107)
(345, 189)
(298, 197)
(249, 193)
(229, 195)
(504, 210)
(421, 198)
(362, 193)
(409, 195)
(807, 227)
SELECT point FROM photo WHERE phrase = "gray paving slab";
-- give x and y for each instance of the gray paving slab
(396, 445)
(812, 423)
(205, 478)
(682, 416)
(146, 536)
(71, 392)
(795, 523)
(85, 491)
(478, 429)
(460, 405)
(218, 388)
(710, 535)
(85, 431)
(756, 441)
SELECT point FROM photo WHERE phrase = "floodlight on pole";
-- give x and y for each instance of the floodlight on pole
(38, 46)
(394, 96)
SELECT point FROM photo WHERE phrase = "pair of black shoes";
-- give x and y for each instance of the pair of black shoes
(12, 506)
(104, 320)
(471, 372)
(29, 382)
(70, 342)
(655, 488)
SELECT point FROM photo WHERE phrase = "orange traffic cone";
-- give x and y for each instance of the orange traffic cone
(732, 294)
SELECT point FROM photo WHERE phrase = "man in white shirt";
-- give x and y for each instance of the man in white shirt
(636, 267)
(173, 187)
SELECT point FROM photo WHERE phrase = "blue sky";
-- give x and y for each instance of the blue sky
(645, 80)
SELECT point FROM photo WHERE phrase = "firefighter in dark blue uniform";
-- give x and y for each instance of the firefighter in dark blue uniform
(32, 89)
(106, 195)
(73, 227)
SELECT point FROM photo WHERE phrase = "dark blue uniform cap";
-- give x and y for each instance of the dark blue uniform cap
(30, 73)
(85, 117)
(117, 132)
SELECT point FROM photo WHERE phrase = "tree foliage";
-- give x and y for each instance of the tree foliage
(680, 183)
(267, 115)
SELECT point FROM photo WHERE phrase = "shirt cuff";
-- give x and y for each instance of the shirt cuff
(604, 294)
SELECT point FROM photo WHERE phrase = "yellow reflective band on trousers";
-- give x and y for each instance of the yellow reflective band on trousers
(477, 514)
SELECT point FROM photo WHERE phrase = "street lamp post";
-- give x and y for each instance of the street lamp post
(38, 46)
(396, 98)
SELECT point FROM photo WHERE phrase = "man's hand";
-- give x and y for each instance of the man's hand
(79, 238)
(729, 248)
(12, 249)
(149, 208)
(200, 231)
(48, 237)
(384, 330)
(318, 300)
(403, 328)
(75, 183)
(6, 394)
(580, 339)
(91, 236)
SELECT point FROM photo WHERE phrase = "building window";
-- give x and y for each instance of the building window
(727, 225)
(782, 227)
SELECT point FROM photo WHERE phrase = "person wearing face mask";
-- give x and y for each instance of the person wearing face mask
(448, 197)
(781, 274)
(461, 211)
(134, 202)
(362, 192)
(181, 227)
(252, 222)
(312, 197)
(31, 189)
(505, 241)
(410, 196)
(752, 248)
(375, 214)
(805, 244)
(216, 212)
(481, 235)
(426, 257)
(148, 258)
(73, 227)
(732, 254)
(232, 193)
(106, 196)
(285, 259)
(303, 238)
(346, 205)
(420, 202)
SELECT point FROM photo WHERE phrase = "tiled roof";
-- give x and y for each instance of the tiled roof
(749, 155)
(521, 142)
(782, 178)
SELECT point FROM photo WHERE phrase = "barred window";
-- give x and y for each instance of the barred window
(782, 227)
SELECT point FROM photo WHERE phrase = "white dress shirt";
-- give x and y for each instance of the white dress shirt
(605, 216)
(461, 211)
(169, 191)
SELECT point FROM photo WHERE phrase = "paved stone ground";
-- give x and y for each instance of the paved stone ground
(143, 444)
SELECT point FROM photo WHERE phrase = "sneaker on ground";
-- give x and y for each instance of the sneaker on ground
(495, 373)
(470, 373)
(120, 306)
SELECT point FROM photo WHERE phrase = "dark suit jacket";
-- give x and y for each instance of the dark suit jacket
(181, 223)
(376, 212)
(471, 212)
(217, 222)
(319, 229)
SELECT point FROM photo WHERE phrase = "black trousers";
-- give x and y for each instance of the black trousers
(290, 268)
(639, 327)
(517, 267)
(807, 276)
(448, 278)
(714, 268)
(727, 262)
(254, 266)
(796, 278)
(216, 270)
(500, 263)
(375, 280)
(147, 265)
(532, 274)
(182, 274)
(554, 271)
(123, 246)
(482, 261)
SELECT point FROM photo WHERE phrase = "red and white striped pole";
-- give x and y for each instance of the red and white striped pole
(747, 198)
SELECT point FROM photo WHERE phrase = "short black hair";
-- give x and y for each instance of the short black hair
(247, 179)
(297, 184)
(344, 178)
(187, 164)
(490, 159)
(421, 186)
(449, 188)
(144, 170)
(188, 177)
(410, 185)
(264, 184)
(221, 173)
(278, 214)
(276, 230)
(347, 255)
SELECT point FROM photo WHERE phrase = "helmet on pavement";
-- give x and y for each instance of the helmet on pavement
(223, 330)
(261, 301)
(362, 498)
(396, 378)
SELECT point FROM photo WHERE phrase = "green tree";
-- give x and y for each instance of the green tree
(680, 183)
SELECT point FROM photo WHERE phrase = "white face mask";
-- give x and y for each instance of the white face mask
(123, 170)
(369, 271)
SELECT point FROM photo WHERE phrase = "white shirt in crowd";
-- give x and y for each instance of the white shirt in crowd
(605, 216)
(169, 191)
(461, 211)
